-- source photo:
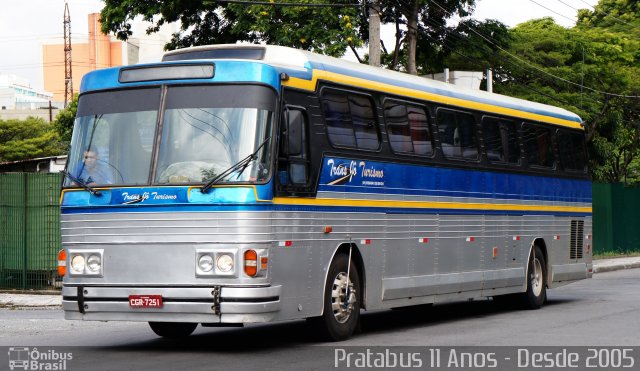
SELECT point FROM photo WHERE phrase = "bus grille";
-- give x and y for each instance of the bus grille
(577, 239)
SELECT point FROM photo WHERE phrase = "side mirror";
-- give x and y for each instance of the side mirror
(295, 127)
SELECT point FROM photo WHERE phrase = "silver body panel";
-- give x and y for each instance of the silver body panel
(154, 253)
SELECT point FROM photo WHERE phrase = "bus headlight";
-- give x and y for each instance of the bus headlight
(94, 263)
(85, 262)
(224, 263)
(77, 264)
(205, 263)
(212, 262)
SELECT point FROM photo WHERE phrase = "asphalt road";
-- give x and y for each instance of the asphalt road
(603, 311)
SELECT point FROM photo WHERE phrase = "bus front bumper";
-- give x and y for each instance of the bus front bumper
(215, 304)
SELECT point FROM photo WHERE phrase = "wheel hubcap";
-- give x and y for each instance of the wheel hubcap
(342, 305)
(536, 277)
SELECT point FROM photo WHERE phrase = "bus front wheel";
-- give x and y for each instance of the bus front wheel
(536, 293)
(172, 330)
(341, 311)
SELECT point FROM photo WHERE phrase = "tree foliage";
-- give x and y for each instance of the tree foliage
(592, 71)
(63, 123)
(30, 138)
(326, 30)
(420, 27)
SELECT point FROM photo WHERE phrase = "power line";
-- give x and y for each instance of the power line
(537, 68)
(525, 85)
(553, 11)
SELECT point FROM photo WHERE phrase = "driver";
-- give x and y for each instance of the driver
(92, 170)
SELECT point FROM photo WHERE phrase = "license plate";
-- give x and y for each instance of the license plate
(145, 301)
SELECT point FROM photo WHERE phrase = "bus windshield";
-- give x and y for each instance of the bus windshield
(203, 131)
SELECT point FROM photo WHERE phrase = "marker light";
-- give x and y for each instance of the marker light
(62, 262)
(250, 263)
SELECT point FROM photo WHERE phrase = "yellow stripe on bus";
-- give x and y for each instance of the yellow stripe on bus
(310, 85)
(427, 205)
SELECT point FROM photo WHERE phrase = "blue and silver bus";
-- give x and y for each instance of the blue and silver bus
(235, 184)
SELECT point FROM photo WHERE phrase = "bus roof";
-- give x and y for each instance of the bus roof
(306, 68)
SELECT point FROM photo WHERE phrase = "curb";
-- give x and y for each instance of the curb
(615, 267)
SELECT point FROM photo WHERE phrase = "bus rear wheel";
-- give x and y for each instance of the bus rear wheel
(172, 330)
(341, 311)
(536, 293)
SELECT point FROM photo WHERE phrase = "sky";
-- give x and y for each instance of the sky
(25, 24)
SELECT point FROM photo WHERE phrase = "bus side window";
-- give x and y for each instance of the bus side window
(408, 128)
(350, 120)
(500, 140)
(572, 151)
(295, 147)
(537, 142)
(457, 134)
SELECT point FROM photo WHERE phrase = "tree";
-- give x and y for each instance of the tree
(615, 15)
(465, 47)
(592, 71)
(326, 30)
(425, 21)
(30, 138)
(63, 124)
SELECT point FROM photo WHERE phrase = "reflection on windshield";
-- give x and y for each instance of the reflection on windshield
(204, 130)
(199, 143)
(94, 159)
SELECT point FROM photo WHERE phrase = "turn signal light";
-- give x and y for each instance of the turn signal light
(250, 263)
(62, 263)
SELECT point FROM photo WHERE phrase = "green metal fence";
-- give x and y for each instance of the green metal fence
(616, 218)
(29, 229)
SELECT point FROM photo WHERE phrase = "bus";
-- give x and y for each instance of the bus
(236, 184)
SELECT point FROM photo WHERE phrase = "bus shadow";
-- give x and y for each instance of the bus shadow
(291, 334)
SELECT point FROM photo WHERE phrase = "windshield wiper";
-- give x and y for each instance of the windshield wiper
(81, 183)
(242, 165)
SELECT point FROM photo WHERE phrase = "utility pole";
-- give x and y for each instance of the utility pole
(374, 33)
(68, 80)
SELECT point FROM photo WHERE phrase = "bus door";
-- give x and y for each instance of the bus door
(293, 161)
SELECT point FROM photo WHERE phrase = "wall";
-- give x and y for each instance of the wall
(616, 218)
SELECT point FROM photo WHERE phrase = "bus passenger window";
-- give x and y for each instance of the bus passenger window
(500, 140)
(537, 142)
(338, 119)
(350, 120)
(572, 151)
(408, 128)
(457, 135)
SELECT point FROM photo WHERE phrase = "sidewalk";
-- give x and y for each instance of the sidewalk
(54, 301)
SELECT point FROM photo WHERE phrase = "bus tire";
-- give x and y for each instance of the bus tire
(338, 322)
(172, 330)
(536, 293)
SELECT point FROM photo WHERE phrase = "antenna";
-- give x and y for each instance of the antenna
(68, 79)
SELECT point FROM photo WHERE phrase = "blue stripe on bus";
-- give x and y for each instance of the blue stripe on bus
(345, 175)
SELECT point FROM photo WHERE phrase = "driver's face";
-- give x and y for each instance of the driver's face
(90, 159)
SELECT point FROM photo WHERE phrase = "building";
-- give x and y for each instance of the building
(88, 53)
(51, 164)
(17, 94)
